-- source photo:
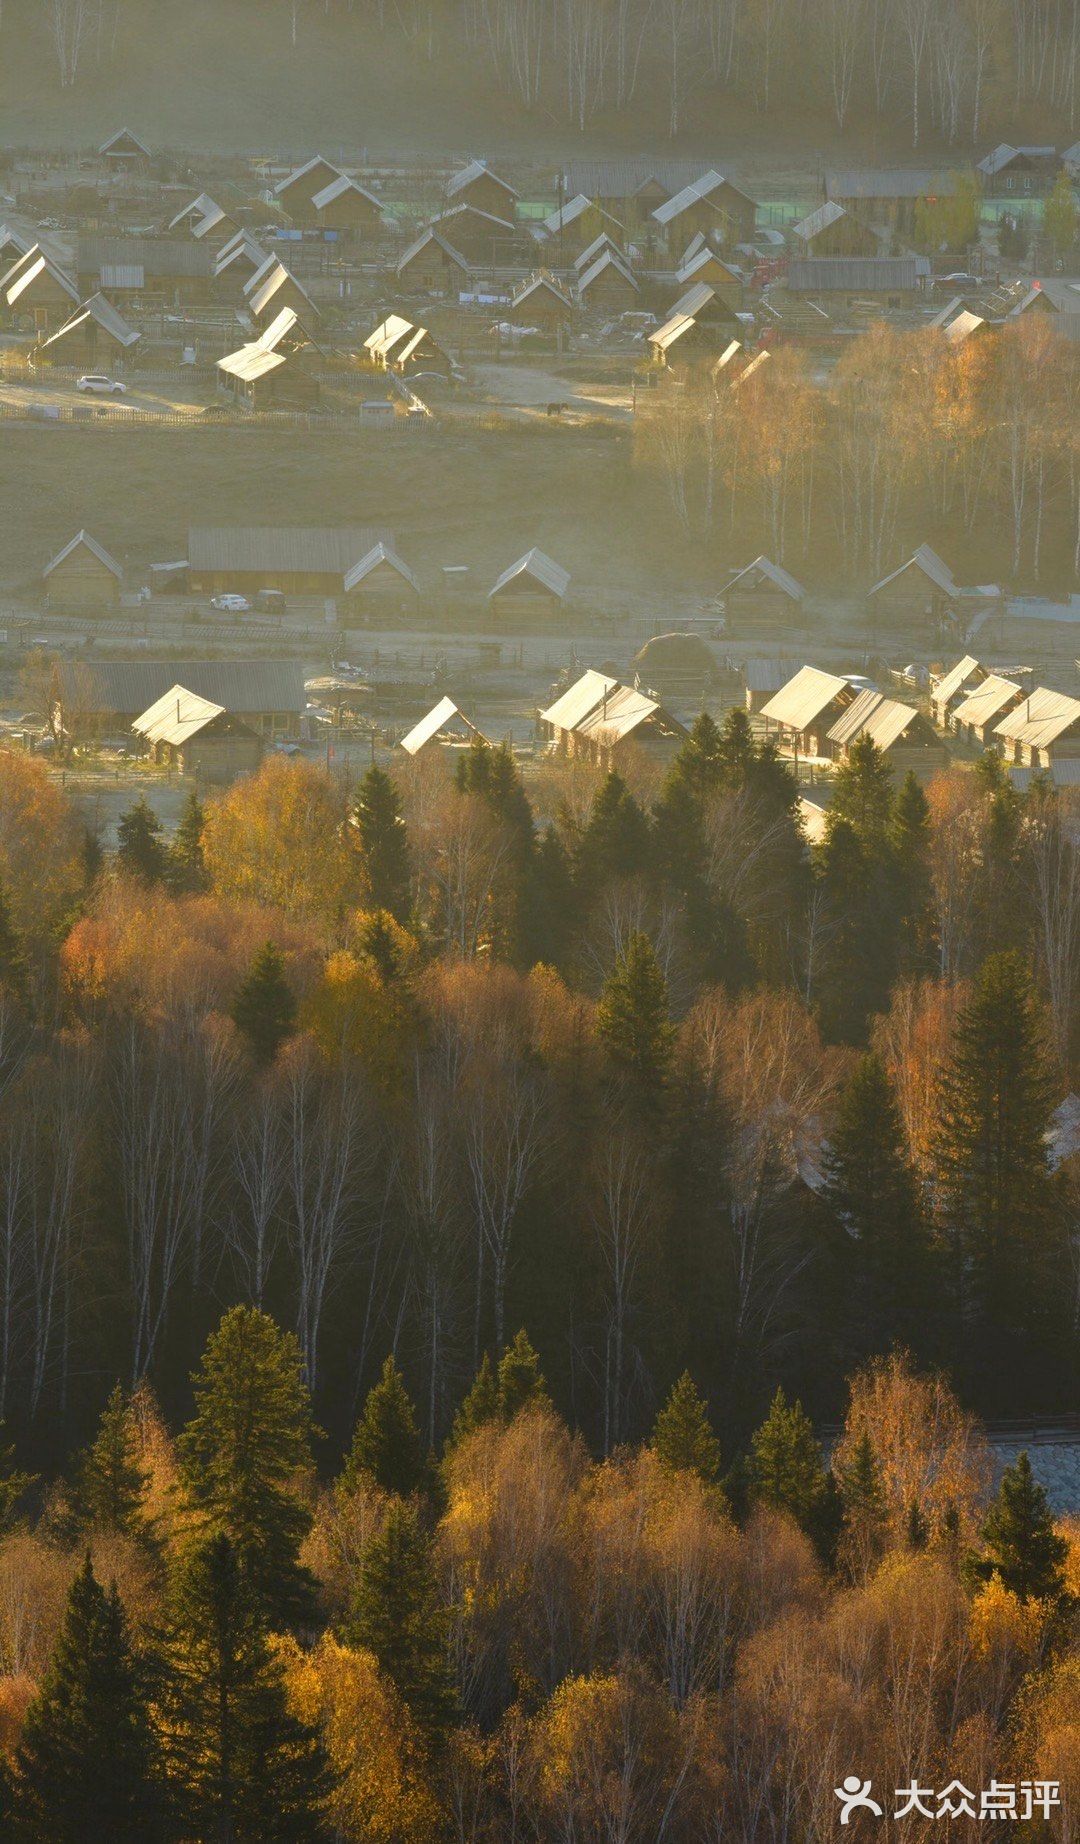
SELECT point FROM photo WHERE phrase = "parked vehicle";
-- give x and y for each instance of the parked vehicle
(230, 604)
(102, 386)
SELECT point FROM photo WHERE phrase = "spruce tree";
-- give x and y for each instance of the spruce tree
(861, 937)
(910, 840)
(14, 970)
(397, 1615)
(386, 1445)
(1023, 1547)
(140, 847)
(187, 870)
(633, 1023)
(862, 793)
(870, 1187)
(615, 840)
(481, 1406)
(786, 1466)
(865, 1510)
(384, 843)
(683, 1439)
(111, 1483)
(264, 1008)
(702, 763)
(521, 1382)
(245, 1455)
(86, 1759)
(242, 1768)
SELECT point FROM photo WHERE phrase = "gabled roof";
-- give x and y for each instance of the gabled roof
(176, 717)
(856, 274)
(540, 283)
(379, 554)
(871, 714)
(275, 548)
(476, 169)
(261, 288)
(462, 214)
(32, 271)
(956, 679)
(445, 717)
(694, 194)
(243, 247)
(987, 701)
(261, 356)
(889, 183)
(606, 260)
(806, 697)
(542, 568)
(204, 212)
(596, 248)
(945, 315)
(338, 187)
(574, 209)
(388, 334)
(301, 172)
(1036, 296)
(122, 687)
(819, 220)
(704, 258)
(105, 315)
(622, 713)
(114, 144)
(963, 325)
(930, 564)
(579, 700)
(1041, 719)
(1004, 154)
(421, 243)
(700, 298)
(780, 578)
(83, 540)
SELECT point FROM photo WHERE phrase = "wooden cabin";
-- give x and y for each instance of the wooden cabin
(702, 264)
(687, 339)
(843, 283)
(486, 241)
(903, 735)
(802, 713)
(82, 579)
(762, 595)
(444, 727)
(197, 737)
(1027, 172)
(887, 196)
(266, 694)
(710, 204)
(272, 289)
(607, 285)
(124, 152)
(974, 719)
(531, 591)
(541, 303)
(295, 194)
(280, 369)
(95, 338)
(433, 266)
(832, 231)
(1041, 731)
(953, 687)
(920, 595)
(346, 208)
(380, 583)
(477, 185)
(602, 721)
(36, 289)
(571, 230)
(205, 221)
(299, 560)
(164, 271)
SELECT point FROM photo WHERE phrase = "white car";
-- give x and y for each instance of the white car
(230, 604)
(103, 387)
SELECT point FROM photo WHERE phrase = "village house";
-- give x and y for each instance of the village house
(964, 326)
(486, 241)
(266, 695)
(709, 204)
(569, 231)
(95, 338)
(762, 595)
(974, 718)
(197, 737)
(921, 594)
(701, 301)
(123, 151)
(701, 263)
(532, 590)
(236, 261)
(628, 190)
(1041, 731)
(805, 709)
(274, 287)
(763, 678)
(1028, 171)
(684, 339)
(1037, 300)
(433, 266)
(899, 731)
(953, 687)
(297, 559)
(887, 196)
(541, 303)
(598, 247)
(607, 285)
(280, 368)
(381, 584)
(165, 271)
(36, 290)
(346, 208)
(846, 282)
(400, 345)
(601, 720)
(82, 579)
(832, 231)
(295, 194)
(444, 727)
(205, 221)
(477, 185)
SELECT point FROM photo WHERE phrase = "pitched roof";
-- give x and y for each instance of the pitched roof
(955, 679)
(388, 334)
(547, 284)
(82, 539)
(695, 193)
(1036, 296)
(763, 566)
(32, 271)
(575, 704)
(179, 256)
(253, 548)
(673, 329)
(987, 701)
(1004, 154)
(963, 325)
(596, 248)
(301, 172)
(624, 712)
(338, 187)
(176, 717)
(421, 243)
(240, 248)
(262, 287)
(704, 258)
(476, 169)
(574, 209)
(204, 212)
(819, 220)
(124, 134)
(542, 568)
(379, 554)
(805, 697)
(888, 183)
(103, 314)
(121, 687)
(464, 213)
(930, 564)
(870, 274)
(445, 716)
(1041, 719)
(607, 259)
(761, 675)
(261, 356)
(871, 714)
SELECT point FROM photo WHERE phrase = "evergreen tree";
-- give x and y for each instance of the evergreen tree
(862, 794)
(786, 1467)
(551, 902)
(865, 1510)
(615, 840)
(264, 1007)
(86, 1758)
(997, 1198)
(242, 1768)
(14, 970)
(869, 1185)
(386, 944)
(1024, 1548)
(386, 1445)
(633, 1023)
(398, 1616)
(859, 950)
(111, 1483)
(187, 871)
(246, 1452)
(140, 848)
(14, 1483)
(683, 1438)
(481, 1406)
(910, 840)
(701, 765)
(384, 844)
(1001, 907)
(521, 1381)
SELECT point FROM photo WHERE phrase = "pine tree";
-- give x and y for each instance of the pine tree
(910, 840)
(187, 871)
(869, 1185)
(633, 1023)
(683, 1438)
(14, 970)
(862, 793)
(241, 1766)
(615, 840)
(264, 1007)
(786, 1466)
(701, 766)
(111, 1483)
(386, 1445)
(140, 848)
(860, 952)
(384, 844)
(481, 1406)
(398, 1616)
(1024, 1548)
(550, 903)
(246, 1452)
(521, 1382)
(865, 1510)
(86, 1758)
